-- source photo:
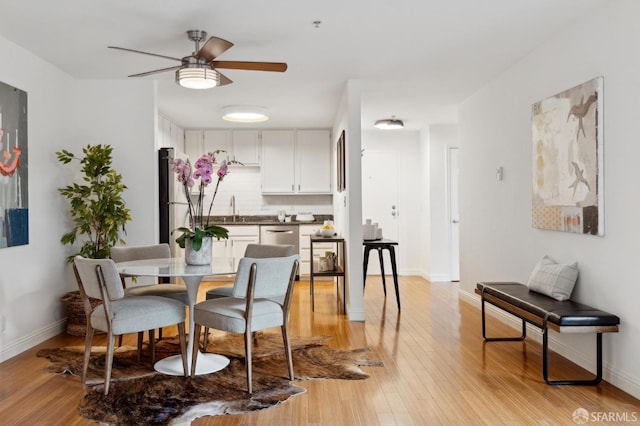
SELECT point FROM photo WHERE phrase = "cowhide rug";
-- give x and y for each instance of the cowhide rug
(139, 395)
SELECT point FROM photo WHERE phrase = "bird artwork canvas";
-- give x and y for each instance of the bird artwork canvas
(567, 130)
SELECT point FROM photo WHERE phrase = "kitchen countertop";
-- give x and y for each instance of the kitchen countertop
(264, 220)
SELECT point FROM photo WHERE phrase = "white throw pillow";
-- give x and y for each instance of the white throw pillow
(553, 279)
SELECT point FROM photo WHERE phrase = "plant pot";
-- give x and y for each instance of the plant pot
(199, 257)
(76, 317)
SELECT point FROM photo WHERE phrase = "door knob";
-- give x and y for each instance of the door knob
(455, 221)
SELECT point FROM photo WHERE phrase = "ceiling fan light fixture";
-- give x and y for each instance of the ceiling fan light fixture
(389, 124)
(197, 78)
(244, 113)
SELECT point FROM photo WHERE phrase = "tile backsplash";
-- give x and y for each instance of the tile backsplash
(244, 184)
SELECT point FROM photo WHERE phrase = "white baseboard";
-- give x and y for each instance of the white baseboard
(438, 278)
(11, 349)
(585, 359)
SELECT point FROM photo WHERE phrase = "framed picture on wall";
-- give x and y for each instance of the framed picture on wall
(14, 167)
(340, 163)
(567, 130)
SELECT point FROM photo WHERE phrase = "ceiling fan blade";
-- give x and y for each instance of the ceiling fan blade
(213, 48)
(144, 53)
(251, 66)
(224, 79)
(142, 74)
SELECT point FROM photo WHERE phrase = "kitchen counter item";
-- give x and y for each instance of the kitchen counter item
(263, 220)
(305, 217)
(327, 232)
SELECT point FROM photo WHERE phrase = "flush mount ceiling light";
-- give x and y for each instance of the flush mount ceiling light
(198, 77)
(389, 123)
(244, 113)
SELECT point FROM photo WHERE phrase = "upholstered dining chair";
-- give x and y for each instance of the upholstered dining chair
(140, 286)
(254, 305)
(255, 251)
(119, 314)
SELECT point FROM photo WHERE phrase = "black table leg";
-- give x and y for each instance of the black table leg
(366, 263)
(392, 252)
(384, 283)
(313, 302)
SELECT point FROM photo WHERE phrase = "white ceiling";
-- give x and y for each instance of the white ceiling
(416, 59)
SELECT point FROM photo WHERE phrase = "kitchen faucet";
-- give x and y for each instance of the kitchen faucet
(233, 208)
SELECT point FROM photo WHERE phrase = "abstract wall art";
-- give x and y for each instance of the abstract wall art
(567, 131)
(14, 195)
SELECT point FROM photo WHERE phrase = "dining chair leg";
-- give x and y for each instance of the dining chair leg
(287, 350)
(194, 353)
(120, 340)
(205, 339)
(140, 339)
(111, 341)
(88, 343)
(152, 345)
(183, 347)
(247, 354)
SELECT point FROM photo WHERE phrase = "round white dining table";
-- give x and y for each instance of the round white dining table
(192, 276)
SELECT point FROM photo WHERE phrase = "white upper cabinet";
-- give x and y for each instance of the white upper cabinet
(291, 161)
(246, 144)
(170, 135)
(214, 140)
(193, 144)
(296, 162)
(313, 167)
(278, 161)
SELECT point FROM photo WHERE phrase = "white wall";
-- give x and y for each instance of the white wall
(122, 114)
(347, 205)
(33, 277)
(497, 239)
(69, 114)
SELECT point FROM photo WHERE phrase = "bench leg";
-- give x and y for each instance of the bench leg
(500, 339)
(545, 363)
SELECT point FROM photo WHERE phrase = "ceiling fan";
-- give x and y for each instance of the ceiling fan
(200, 69)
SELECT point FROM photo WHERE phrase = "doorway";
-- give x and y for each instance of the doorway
(380, 197)
(454, 213)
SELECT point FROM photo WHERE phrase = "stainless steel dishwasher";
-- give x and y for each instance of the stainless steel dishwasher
(281, 234)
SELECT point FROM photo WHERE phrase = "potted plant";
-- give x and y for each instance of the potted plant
(97, 208)
(99, 214)
(197, 238)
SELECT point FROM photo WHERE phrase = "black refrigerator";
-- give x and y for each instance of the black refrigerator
(171, 203)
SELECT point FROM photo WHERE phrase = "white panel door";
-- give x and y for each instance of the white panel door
(380, 200)
(454, 214)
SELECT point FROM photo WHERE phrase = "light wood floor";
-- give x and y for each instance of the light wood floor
(437, 370)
